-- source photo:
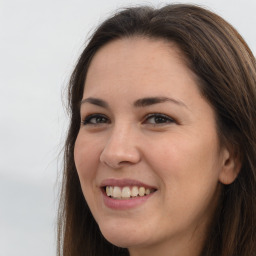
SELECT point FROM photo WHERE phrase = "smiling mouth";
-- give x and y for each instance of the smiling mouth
(127, 192)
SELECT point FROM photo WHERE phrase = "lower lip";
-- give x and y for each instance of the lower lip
(124, 204)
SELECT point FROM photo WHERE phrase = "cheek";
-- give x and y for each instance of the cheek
(187, 155)
(86, 155)
(188, 167)
(189, 174)
(86, 161)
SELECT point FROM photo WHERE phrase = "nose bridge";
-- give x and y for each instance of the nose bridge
(121, 146)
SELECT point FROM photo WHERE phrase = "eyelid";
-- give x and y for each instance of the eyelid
(167, 117)
(87, 118)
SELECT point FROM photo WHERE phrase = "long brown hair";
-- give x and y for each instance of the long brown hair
(226, 72)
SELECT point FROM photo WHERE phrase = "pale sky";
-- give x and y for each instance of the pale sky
(39, 44)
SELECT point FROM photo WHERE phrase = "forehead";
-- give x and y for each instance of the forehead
(134, 50)
(136, 60)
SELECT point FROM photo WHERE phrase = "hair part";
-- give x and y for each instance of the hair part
(226, 74)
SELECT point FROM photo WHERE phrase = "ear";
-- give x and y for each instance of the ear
(231, 165)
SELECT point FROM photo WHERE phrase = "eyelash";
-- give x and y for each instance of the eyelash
(100, 119)
(161, 117)
(88, 119)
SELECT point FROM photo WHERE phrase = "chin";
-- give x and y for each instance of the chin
(122, 237)
(118, 240)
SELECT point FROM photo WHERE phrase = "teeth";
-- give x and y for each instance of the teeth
(135, 191)
(117, 193)
(109, 190)
(127, 192)
(142, 191)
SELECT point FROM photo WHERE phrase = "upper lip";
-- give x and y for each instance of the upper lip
(124, 182)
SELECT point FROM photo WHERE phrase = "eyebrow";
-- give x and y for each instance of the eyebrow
(144, 102)
(95, 101)
(155, 100)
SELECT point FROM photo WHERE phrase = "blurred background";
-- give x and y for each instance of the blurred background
(39, 44)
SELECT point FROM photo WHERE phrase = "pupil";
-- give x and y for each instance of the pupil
(160, 119)
(100, 119)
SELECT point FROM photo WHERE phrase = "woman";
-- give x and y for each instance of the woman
(160, 154)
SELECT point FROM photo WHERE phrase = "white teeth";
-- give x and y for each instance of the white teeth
(135, 191)
(142, 191)
(127, 192)
(116, 192)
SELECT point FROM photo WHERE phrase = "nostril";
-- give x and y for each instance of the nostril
(111, 164)
(124, 163)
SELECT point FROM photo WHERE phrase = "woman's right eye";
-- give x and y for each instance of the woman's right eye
(95, 119)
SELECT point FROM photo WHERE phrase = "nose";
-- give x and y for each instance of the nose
(121, 148)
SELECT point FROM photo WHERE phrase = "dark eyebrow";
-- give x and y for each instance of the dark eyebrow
(138, 103)
(95, 101)
(155, 100)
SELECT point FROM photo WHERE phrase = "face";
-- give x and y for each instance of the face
(147, 153)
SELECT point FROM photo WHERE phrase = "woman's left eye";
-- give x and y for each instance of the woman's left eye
(158, 119)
